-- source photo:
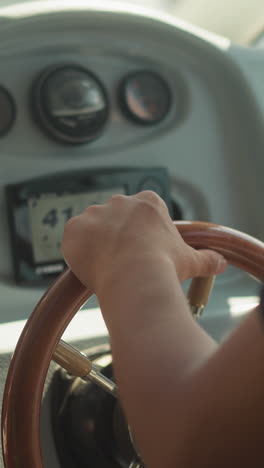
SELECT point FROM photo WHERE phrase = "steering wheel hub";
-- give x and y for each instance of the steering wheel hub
(88, 424)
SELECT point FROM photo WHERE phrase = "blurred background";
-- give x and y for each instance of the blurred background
(240, 20)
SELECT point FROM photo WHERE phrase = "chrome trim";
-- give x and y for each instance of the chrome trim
(99, 379)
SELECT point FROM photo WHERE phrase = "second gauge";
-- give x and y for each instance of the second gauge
(145, 97)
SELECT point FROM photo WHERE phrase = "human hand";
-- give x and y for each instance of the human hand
(123, 233)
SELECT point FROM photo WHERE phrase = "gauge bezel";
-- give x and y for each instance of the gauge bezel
(123, 102)
(47, 122)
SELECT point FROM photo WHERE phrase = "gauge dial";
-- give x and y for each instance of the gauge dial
(145, 97)
(70, 103)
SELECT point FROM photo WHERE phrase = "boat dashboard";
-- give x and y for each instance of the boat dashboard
(100, 98)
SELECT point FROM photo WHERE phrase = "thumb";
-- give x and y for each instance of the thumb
(209, 263)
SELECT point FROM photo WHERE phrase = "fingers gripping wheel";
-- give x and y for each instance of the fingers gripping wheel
(29, 366)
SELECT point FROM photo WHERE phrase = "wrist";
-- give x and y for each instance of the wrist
(140, 271)
(135, 293)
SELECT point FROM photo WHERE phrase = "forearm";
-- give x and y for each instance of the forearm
(155, 345)
(190, 403)
(221, 415)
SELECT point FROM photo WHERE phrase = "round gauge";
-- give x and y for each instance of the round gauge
(7, 111)
(145, 97)
(70, 103)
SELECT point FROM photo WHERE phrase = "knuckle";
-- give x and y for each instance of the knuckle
(151, 196)
(148, 210)
(118, 197)
(154, 199)
(91, 209)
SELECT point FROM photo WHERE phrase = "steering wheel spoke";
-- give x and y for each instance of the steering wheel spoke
(78, 364)
(199, 294)
(136, 464)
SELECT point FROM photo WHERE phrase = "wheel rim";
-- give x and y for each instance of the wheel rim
(30, 362)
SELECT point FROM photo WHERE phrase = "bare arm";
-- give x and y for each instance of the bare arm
(189, 403)
(224, 426)
(186, 400)
(156, 346)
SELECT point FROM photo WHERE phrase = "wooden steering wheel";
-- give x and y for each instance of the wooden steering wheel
(38, 341)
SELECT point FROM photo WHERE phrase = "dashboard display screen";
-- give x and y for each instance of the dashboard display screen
(38, 209)
(48, 214)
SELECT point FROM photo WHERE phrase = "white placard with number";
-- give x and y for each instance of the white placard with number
(49, 213)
